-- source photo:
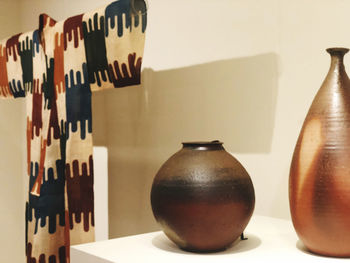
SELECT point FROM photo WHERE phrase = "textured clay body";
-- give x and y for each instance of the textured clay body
(319, 183)
(202, 197)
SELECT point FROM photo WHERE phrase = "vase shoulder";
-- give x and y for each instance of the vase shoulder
(332, 100)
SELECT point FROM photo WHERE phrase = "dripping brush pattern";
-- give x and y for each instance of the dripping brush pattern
(56, 68)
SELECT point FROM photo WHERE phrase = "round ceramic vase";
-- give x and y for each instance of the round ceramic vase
(202, 197)
(319, 182)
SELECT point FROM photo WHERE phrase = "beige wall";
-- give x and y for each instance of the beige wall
(12, 141)
(244, 72)
(284, 40)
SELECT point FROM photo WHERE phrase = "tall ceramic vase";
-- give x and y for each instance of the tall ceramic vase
(319, 183)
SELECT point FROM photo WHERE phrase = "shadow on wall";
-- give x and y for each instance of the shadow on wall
(231, 100)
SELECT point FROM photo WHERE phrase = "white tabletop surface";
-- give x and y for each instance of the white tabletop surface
(269, 240)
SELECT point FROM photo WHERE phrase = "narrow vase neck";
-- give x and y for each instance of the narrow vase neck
(337, 60)
(337, 64)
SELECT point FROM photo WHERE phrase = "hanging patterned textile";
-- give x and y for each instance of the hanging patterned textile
(56, 68)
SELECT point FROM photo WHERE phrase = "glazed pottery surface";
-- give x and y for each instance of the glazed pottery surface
(202, 197)
(319, 182)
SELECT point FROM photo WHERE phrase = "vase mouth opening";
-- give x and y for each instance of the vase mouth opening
(337, 51)
(203, 145)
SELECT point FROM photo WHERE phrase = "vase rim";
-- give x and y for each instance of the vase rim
(202, 143)
(337, 50)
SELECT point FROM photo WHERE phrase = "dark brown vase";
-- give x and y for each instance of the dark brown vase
(319, 182)
(202, 197)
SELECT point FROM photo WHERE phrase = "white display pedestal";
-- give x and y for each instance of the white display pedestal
(101, 192)
(269, 240)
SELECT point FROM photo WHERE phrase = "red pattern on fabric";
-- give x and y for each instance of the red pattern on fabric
(37, 185)
(59, 65)
(37, 119)
(120, 74)
(12, 47)
(73, 29)
(4, 83)
(80, 192)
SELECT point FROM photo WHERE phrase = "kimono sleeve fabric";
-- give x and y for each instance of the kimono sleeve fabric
(56, 68)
